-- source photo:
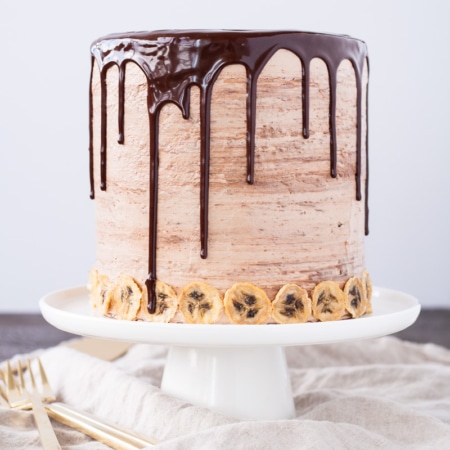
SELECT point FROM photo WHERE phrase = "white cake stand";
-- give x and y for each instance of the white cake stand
(237, 370)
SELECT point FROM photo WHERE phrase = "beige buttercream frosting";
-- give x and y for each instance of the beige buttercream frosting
(295, 224)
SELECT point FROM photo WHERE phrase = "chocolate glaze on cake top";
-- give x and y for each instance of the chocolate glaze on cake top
(175, 60)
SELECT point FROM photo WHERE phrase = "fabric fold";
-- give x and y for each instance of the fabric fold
(380, 393)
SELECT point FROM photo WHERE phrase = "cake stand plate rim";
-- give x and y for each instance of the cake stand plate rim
(69, 310)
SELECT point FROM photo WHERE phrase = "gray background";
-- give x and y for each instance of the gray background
(47, 224)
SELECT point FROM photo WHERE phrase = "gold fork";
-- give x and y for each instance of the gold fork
(110, 434)
(19, 396)
(3, 402)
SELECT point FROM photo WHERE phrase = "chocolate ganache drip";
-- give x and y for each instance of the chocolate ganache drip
(174, 61)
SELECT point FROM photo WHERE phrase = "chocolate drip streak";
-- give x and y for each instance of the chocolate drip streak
(153, 214)
(121, 117)
(173, 61)
(91, 132)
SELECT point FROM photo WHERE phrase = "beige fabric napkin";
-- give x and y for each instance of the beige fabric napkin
(381, 393)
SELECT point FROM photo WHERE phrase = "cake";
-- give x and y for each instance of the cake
(229, 171)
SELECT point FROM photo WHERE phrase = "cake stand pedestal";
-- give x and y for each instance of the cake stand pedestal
(236, 370)
(248, 382)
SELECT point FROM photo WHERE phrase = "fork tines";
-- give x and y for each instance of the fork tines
(19, 397)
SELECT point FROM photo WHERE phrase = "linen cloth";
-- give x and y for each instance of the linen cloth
(380, 393)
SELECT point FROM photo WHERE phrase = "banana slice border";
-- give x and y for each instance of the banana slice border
(123, 299)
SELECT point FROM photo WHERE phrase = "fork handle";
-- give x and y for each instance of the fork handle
(110, 434)
(46, 432)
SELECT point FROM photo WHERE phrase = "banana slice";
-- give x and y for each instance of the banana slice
(92, 285)
(291, 305)
(166, 304)
(200, 303)
(100, 291)
(126, 299)
(246, 303)
(328, 301)
(355, 297)
(93, 280)
(368, 290)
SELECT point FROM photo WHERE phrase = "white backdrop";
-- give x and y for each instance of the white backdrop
(47, 225)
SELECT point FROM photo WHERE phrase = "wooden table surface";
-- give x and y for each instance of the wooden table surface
(22, 333)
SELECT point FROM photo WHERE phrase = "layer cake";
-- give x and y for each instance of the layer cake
(229, 171)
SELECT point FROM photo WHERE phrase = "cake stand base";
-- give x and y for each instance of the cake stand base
(236, 370)
(248, 383)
